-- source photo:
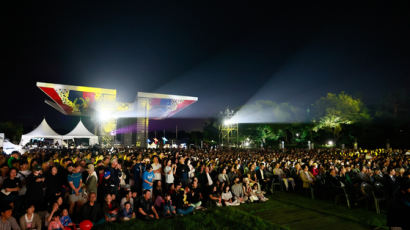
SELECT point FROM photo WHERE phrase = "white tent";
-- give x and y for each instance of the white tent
(80, 131)
(9, 147)
(42, 131)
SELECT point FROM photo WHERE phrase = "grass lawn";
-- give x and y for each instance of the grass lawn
(294, 211)
(217, 218)
(282, 211)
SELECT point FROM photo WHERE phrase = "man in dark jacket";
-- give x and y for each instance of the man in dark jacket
(115, 175)
(182, 172)
(108, 185)
(92, 210)
(137, 171)
(262, 178)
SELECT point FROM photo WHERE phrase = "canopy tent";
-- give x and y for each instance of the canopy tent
(42, 131)
(9, 147)
(80, 131)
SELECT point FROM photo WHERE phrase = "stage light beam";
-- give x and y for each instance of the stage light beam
(104, 116)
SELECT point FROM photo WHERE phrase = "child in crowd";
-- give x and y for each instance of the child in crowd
(127, 212)
(169, 209)
(258, 193)
(65, 219)
(55, 223)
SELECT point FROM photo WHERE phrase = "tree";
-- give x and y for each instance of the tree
(12, 131)
(335, 110)
(211, 131)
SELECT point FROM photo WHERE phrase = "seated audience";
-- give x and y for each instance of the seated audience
(30, 220)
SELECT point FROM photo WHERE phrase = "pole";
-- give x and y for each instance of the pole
(237, 135)
(229, 133)
(176, 132)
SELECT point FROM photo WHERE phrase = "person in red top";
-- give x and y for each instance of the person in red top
(111, 209)
(315, 170)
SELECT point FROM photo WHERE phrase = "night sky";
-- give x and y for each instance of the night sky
(226, 53)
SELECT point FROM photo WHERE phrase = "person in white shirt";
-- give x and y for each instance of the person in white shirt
(223, 177)
(227, 197)
(169, 171)
(277, 171)
(208, 177)
(157, 168)
(22, 175)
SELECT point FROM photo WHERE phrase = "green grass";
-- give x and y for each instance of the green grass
(282, 211)
(296, 212)
(217, 218)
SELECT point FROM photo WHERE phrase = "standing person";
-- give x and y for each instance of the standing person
(157, 168)
(91, 181)
(10, 188)
(169, 171)
(147, 179)
(115, 175)
(108, 185)
(53, 184)
(23, 173)
(182, 172)
(75, 182)
(206, 183)
(35, 185)
(137, 171)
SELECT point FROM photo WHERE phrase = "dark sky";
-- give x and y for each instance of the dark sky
(226, 53)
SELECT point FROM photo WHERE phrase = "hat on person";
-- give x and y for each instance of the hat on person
(107, 173)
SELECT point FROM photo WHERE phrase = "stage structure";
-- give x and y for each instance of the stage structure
(228, 129)
(102, 105)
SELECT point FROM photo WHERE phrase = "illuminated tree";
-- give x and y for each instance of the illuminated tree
(335, 110)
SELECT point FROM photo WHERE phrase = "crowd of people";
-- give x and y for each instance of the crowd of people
(58, 189)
